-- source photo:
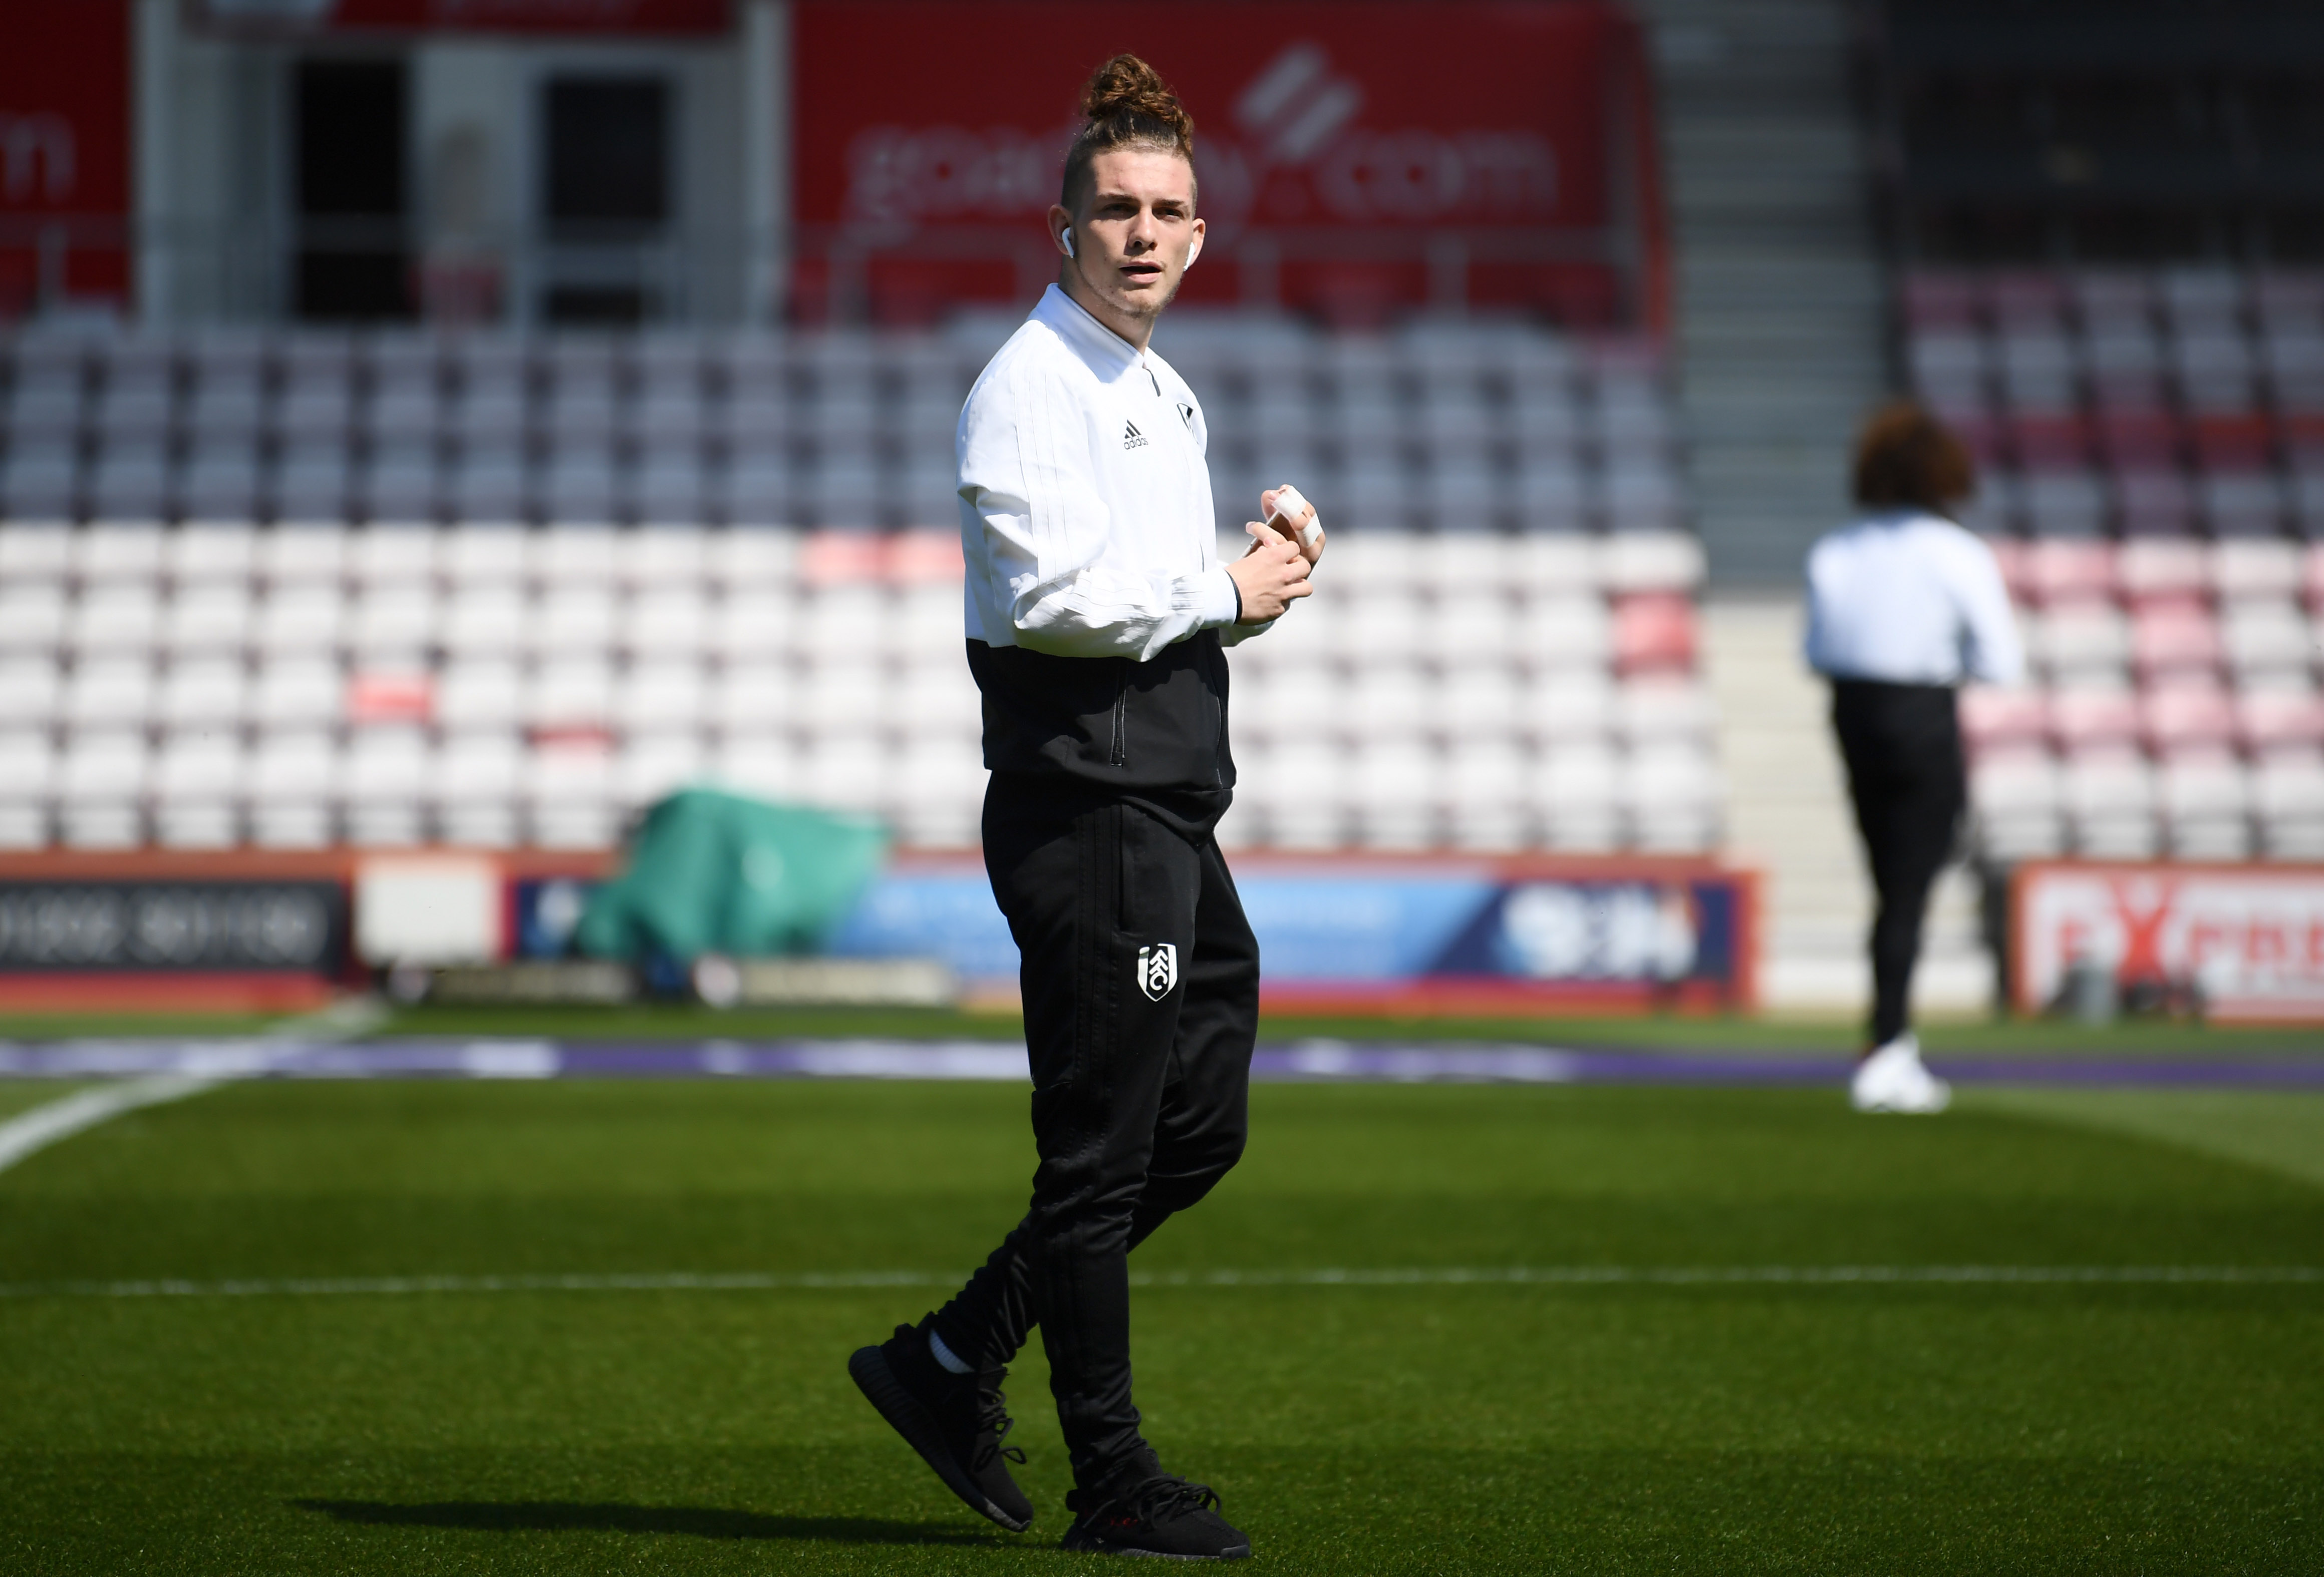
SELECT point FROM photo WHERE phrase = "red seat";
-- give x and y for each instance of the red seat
(2176, 717)
(2232, 443)
(924, 554)
(2301, 433)
(2274, 719)
(2175, 637)
(2139, 440)
(1992, 717)
(843, 557)
(2050, 440)
(1653, 630)
(2079, 718)
(2055, 569)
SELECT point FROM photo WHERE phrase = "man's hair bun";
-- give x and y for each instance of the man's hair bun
(1126, 91)
(1126, 104)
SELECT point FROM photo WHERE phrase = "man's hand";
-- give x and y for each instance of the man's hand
(1269, 577)
(1284, 504)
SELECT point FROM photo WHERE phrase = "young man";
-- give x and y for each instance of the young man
(1902, 606)
(1096, 612)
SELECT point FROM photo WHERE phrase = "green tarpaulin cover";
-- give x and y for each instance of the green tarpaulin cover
(714, 873)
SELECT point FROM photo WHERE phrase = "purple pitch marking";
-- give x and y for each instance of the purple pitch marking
(1313, 1062)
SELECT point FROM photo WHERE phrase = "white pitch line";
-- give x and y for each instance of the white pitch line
(1409, 1276)
(29, 1131)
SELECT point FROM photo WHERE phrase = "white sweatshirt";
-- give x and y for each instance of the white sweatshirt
(1909, 598)
(1085, 514)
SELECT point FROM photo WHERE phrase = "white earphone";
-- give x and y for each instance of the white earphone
(1067, 238)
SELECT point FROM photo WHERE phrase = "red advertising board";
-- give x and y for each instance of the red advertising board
(1354, 159)
(2248, 939)
(64, 153)
(522, 16)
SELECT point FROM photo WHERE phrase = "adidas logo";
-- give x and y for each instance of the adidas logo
(1131, 438)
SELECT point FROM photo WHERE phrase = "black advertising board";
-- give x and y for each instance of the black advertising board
(290, 927)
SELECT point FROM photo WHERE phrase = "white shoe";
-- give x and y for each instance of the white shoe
(1892, 1079)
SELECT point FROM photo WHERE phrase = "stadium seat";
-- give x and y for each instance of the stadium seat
(753, 699)
(479, 692)
(2081, 717)
(2084, 640)
(1993, 718)
(101, 780)
(2059, 570)
(1577, 795)
(109, 691)
(27, 771)
(2268, 637)
(30, 689)
(33, 613)
(384, 779)
(2288, 794)
(2275, 720)
(2015, 790)
(2249, 568)
(1397, 782)
(2206, 805)
(204, 693)
(2110, 793)
(209, 616)
(2175, 637)
(1652, 633)
(299, 693)
(198, 783)
(2186, 711)
(2163, 570)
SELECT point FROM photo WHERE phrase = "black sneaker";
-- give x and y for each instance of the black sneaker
(1158, 1514)
(956, 1422)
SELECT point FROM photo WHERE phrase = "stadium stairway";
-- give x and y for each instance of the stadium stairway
(1787, 814)
(1780, 320)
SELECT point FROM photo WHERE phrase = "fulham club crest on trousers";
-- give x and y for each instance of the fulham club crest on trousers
(1157, 969)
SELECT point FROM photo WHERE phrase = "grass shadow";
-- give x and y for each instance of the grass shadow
(707, 1522)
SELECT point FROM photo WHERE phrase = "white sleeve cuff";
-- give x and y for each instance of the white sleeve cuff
(1221, 603)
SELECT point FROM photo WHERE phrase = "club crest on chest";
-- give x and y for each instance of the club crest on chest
(1157, 969)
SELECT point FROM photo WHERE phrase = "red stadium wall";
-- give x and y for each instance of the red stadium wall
(64, 152)
(1356, 160)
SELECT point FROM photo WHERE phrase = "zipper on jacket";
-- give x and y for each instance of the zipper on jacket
(1120, 751)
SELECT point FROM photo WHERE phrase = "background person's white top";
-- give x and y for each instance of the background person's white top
(1909, 598)
(1086, 515)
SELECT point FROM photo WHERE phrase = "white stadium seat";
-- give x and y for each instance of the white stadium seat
(30, 690)
(109, 692)
(299, 693)
(204, 692)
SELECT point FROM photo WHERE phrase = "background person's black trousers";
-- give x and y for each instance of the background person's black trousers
(1140, 1096)
(1902, 746)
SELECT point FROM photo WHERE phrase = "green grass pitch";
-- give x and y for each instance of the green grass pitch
(1698, 1428)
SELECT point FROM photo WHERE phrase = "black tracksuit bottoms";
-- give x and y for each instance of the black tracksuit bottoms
(1141, 980)
(1902, 746)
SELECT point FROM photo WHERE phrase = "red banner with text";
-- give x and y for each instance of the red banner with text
(1355, 160)
(677, 17)
(64, 155)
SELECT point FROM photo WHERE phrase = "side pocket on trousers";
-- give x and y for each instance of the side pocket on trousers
(1120, 751)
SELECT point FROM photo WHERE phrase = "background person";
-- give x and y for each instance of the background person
(1902, 606)
(1096, 612)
